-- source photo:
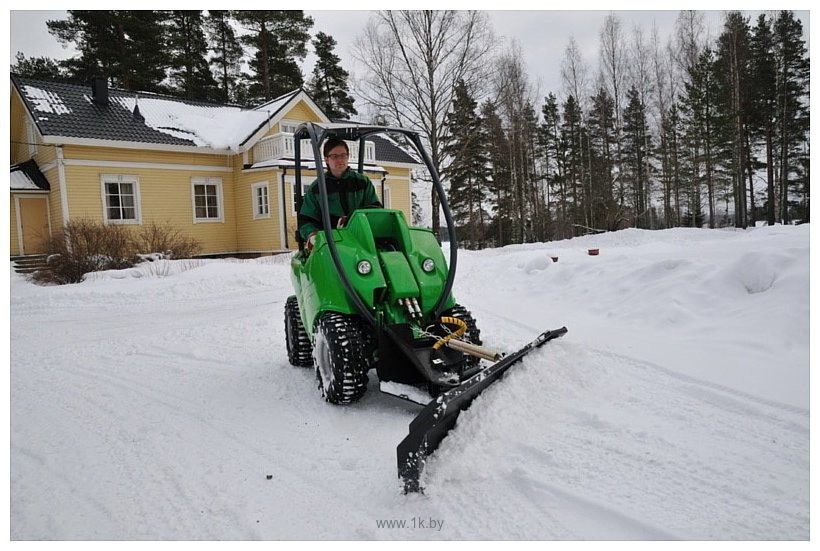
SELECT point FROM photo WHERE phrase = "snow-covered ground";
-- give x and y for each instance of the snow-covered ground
(158, 403)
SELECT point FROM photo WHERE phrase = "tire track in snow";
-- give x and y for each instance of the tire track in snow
(133, 429)
(186, 400)
(100, 401)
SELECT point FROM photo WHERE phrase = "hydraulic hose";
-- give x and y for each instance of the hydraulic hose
(462, 328)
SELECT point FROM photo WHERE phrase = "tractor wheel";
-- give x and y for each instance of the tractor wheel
(338, 353)
(473, 332)
(370, 343)
(300, 352)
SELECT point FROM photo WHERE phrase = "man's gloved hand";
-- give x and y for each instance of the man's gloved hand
(311, 241)
(342, 221)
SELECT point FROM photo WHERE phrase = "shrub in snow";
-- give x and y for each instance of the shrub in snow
(86, 246)
(164, 237)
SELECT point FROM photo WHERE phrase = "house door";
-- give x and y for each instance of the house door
(33, 216)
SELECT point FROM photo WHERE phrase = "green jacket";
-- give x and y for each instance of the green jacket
(344, 195)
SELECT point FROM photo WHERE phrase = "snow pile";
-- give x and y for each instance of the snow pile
(739, 298)
(158, 403)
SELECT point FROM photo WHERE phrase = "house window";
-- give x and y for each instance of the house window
(292, 189)
(387, 199)
(31, 138)
(261, 200)
(288, 126)
(120, 199)
(207, 198)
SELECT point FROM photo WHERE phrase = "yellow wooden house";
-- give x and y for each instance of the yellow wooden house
(220, 173)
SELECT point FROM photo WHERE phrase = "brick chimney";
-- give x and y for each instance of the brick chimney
(99, 90)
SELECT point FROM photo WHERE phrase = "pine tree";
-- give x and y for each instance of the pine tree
(636, 147)
(280, 39)
(792, 104)
(328, 87)
(763, 108)
(572, 135)
(733, 99)
(705, 138)
(44, 68)
(501, 201)
(468, 171)
(128, 47)
(552, 149)
(227, 53)
(604, 211)
(190, 72)
(535, 206)
(671, 166)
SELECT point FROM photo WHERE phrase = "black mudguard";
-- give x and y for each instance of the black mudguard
(433, 423)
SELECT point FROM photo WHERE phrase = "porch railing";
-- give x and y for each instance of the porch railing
(280, 146)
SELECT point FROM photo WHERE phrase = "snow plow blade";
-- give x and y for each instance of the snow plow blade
(433, 423)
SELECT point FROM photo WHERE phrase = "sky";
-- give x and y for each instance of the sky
(676, 407)
(542, 35)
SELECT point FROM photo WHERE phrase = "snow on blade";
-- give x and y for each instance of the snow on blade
(407, 392)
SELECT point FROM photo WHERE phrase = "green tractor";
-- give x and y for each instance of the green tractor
(376, 294)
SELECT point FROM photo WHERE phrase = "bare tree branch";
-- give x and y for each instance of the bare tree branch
(414, 60)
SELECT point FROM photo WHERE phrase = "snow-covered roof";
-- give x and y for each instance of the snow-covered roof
(27, 177)
(274, 105)
(216, 127)
(45, 101)
(20, 180)
(67, 110)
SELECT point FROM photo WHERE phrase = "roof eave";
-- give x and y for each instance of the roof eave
(290, 163)
(399, 164)
(97, 142)
(275, 117)
(31, 191)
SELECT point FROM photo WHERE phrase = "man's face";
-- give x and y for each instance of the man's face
(336, 160)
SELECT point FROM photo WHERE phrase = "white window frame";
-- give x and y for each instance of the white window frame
(288, 122)
(220, 203)
(31, 137)
(291, 185)
(121, 179)
(387, 200)
(256, 203)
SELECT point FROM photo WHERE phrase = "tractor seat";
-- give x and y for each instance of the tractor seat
(387, 244)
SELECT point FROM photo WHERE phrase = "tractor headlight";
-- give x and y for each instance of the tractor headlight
(363, 267)
(428, 265)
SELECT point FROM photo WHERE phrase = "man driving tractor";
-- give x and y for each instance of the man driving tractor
(347, 190)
